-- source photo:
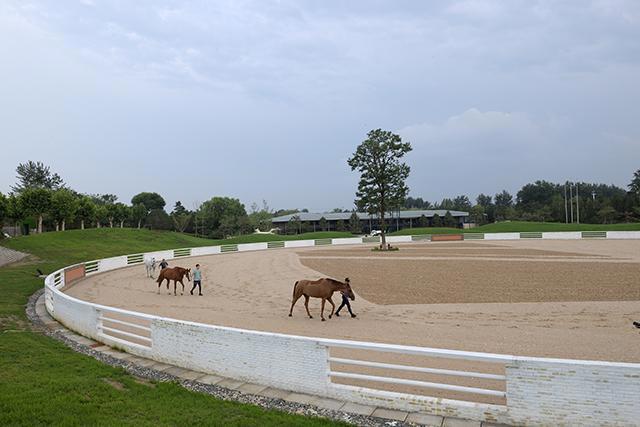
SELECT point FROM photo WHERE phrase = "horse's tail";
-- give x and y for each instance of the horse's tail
(295, 285)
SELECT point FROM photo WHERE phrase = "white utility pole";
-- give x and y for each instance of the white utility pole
(571, 200)
(578, 203)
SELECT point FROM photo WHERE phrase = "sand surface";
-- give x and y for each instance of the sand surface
(569, 299)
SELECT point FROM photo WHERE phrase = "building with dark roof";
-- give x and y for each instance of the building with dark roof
(396, 220)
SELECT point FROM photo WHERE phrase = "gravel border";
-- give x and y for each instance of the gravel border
(61, 334)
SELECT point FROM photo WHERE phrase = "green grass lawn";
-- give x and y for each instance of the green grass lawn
(44, 382)
(520, 226)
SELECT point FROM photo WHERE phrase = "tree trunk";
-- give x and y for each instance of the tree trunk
(122, 224)
(82, 224)
(64, 224)
(383, 238)
(39, 223)
(139, 221)
(57, 226)
(98, 225)
(110, 222)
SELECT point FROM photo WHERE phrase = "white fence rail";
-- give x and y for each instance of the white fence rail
(529, 391)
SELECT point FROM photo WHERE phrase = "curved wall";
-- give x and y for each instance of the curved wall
(539, 391)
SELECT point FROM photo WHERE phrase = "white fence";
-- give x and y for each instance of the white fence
(507, 389)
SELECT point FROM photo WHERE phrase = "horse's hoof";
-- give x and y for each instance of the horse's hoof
(323, 320)
(291, 315)
(329, 317)
(310, 317)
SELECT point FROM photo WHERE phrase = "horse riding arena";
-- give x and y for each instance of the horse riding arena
(570, 299)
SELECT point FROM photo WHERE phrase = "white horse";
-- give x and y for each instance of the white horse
(150, 265)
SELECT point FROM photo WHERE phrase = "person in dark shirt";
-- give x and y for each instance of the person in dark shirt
(345, 301)
(163, 264)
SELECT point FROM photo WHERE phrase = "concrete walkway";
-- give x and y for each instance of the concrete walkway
(230, 389)
(8, 256)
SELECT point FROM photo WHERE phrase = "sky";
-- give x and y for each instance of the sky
(266, 100)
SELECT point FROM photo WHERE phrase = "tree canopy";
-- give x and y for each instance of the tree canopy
(382, 185)
(150, 201)
(36, 175)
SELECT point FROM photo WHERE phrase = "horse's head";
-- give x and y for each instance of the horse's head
(188, 274)
(347, 289)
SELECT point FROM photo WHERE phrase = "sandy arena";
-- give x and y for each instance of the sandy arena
(569, 299)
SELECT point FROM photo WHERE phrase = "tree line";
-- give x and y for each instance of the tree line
(41, 199)
(546, 201)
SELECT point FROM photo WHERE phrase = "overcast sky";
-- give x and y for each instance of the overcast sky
(267, 100)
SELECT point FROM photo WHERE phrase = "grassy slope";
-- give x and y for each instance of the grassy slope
(520, 226)
(43, 382)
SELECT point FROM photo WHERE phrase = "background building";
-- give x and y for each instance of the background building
(338, 221)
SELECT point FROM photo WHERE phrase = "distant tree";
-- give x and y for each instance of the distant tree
(63, 207)
(178, 209)
(158, 219)
(634, 187)
(260, 217)
(150, 200)
(86, 210)
(138, 214)
(15, 210)
(446, 204)
(36, 201)
(383, 176)
(104, 199)
(606, 214)
(423, 221)
(122, 213)
(3, 209)
(484, 200)
(295, 225)
(462, 203)
(101, 215)
(503, 203)
(449, 220)
(217, 210)
(340, 225)
(478, 214)
(436, 221)
(354, 223)
(36, 175)
(322, 223)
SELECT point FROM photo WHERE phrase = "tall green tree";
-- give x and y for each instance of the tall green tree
(504, 205)
(36, 175)
(383, 176)
(322, 223)
(217, 210)
(354, 223)
(138, 214)
(86, 211)
(15, 210)
(449, 220)
(3, 209)
(295, 225)
(37, 202)
(436, 221)
(122, 212)
(260, 217)
(634, 187)
(150, 200)
(102, 215)
(63, 207)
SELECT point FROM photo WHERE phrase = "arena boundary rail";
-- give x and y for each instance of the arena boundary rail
(536, 391)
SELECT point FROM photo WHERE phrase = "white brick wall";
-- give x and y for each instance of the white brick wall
(565, 235)
(287, 362)
(541, 392)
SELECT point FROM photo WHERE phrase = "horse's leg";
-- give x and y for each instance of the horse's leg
(182, 286)
(293, 302)
(160, 284)
(306, 305)
(333, 306)
(322, 310)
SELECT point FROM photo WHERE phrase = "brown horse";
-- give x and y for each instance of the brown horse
(176, 274)
(321, 288)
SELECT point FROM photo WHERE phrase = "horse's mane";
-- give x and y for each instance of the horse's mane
(337, 282)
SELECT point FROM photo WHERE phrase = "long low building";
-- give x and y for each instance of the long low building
(396, 220)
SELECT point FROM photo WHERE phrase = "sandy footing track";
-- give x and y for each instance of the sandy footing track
(567, 299)
(585, 313)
